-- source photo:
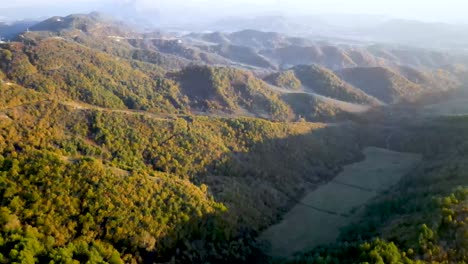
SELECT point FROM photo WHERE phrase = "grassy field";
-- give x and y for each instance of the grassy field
(452, 107)
(317, 219)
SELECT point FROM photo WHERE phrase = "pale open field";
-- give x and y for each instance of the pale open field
(452, 107)
(320, 215)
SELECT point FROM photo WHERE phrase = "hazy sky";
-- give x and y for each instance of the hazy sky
(429, 10)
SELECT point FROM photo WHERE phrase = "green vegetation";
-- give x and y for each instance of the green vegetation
(241, 54)
(285, 79)
(312, 108)
(69, 70)
(422, 219)
(335, 202)
(440, 238)
(54, 210)
(382, 83)
(104, 160)
(325, 82)
(231, 90)
(87, 184)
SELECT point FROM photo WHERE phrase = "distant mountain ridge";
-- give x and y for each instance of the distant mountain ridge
(222, 73)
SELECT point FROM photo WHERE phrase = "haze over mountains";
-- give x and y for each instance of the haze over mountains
(340, 72)
(122, 142)
(232, 16)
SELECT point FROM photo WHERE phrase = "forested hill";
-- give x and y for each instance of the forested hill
(123, 147)
(72, 71)
(95, 184)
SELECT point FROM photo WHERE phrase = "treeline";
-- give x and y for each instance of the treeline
(421, 220)
(431, 230)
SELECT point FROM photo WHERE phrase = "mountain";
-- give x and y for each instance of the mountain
(313, 107)
(247, 48)
(89, 23)
(98, 32)
(154, 53)
(143, 168)
(79, 73)
(440, 79)
(230, 90)
(356, 28)
(241, 54)
(382, 83)
(258, 40)
(176, 48)
(284, 79)
(118, 146)
(9, 30)
(328, 56)
(325, 82)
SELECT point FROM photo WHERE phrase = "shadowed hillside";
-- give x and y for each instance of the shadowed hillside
(173, 168)
(311, 107)
(118, 146)
(231, 91)
(325, 82)
(382, 83)
(241, 54)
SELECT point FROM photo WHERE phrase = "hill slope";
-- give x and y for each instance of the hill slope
(326, 83)
(230, 90)
(382, 83)
(71, 70)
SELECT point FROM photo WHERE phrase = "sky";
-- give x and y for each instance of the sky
(451, 11)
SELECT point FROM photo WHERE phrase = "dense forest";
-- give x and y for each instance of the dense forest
(111, 152)
(73, 179)
(90, 184)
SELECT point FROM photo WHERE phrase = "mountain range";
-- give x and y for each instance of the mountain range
(369, 75)
(124, 145)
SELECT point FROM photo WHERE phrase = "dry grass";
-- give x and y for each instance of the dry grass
(452, 107)
(304, 227)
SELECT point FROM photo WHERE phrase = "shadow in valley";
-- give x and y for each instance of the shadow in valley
(258, 187)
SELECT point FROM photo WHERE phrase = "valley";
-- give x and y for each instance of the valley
(454, 107)
(319, 216)
(119, 145)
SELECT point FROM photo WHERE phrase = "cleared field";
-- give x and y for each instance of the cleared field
(452, 107)
(317, 219)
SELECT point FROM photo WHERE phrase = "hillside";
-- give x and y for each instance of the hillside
(118, 146)
(382, 83)
(79, 73)
(420, 220)
(230, 90)
(71, 70)
(241, 54)
(172, 48)
(93, 23)
(179, 166)
(328, 56)
(258, 40)
(285, 79)
(313, 108)
(236, 174)
(326, 83)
